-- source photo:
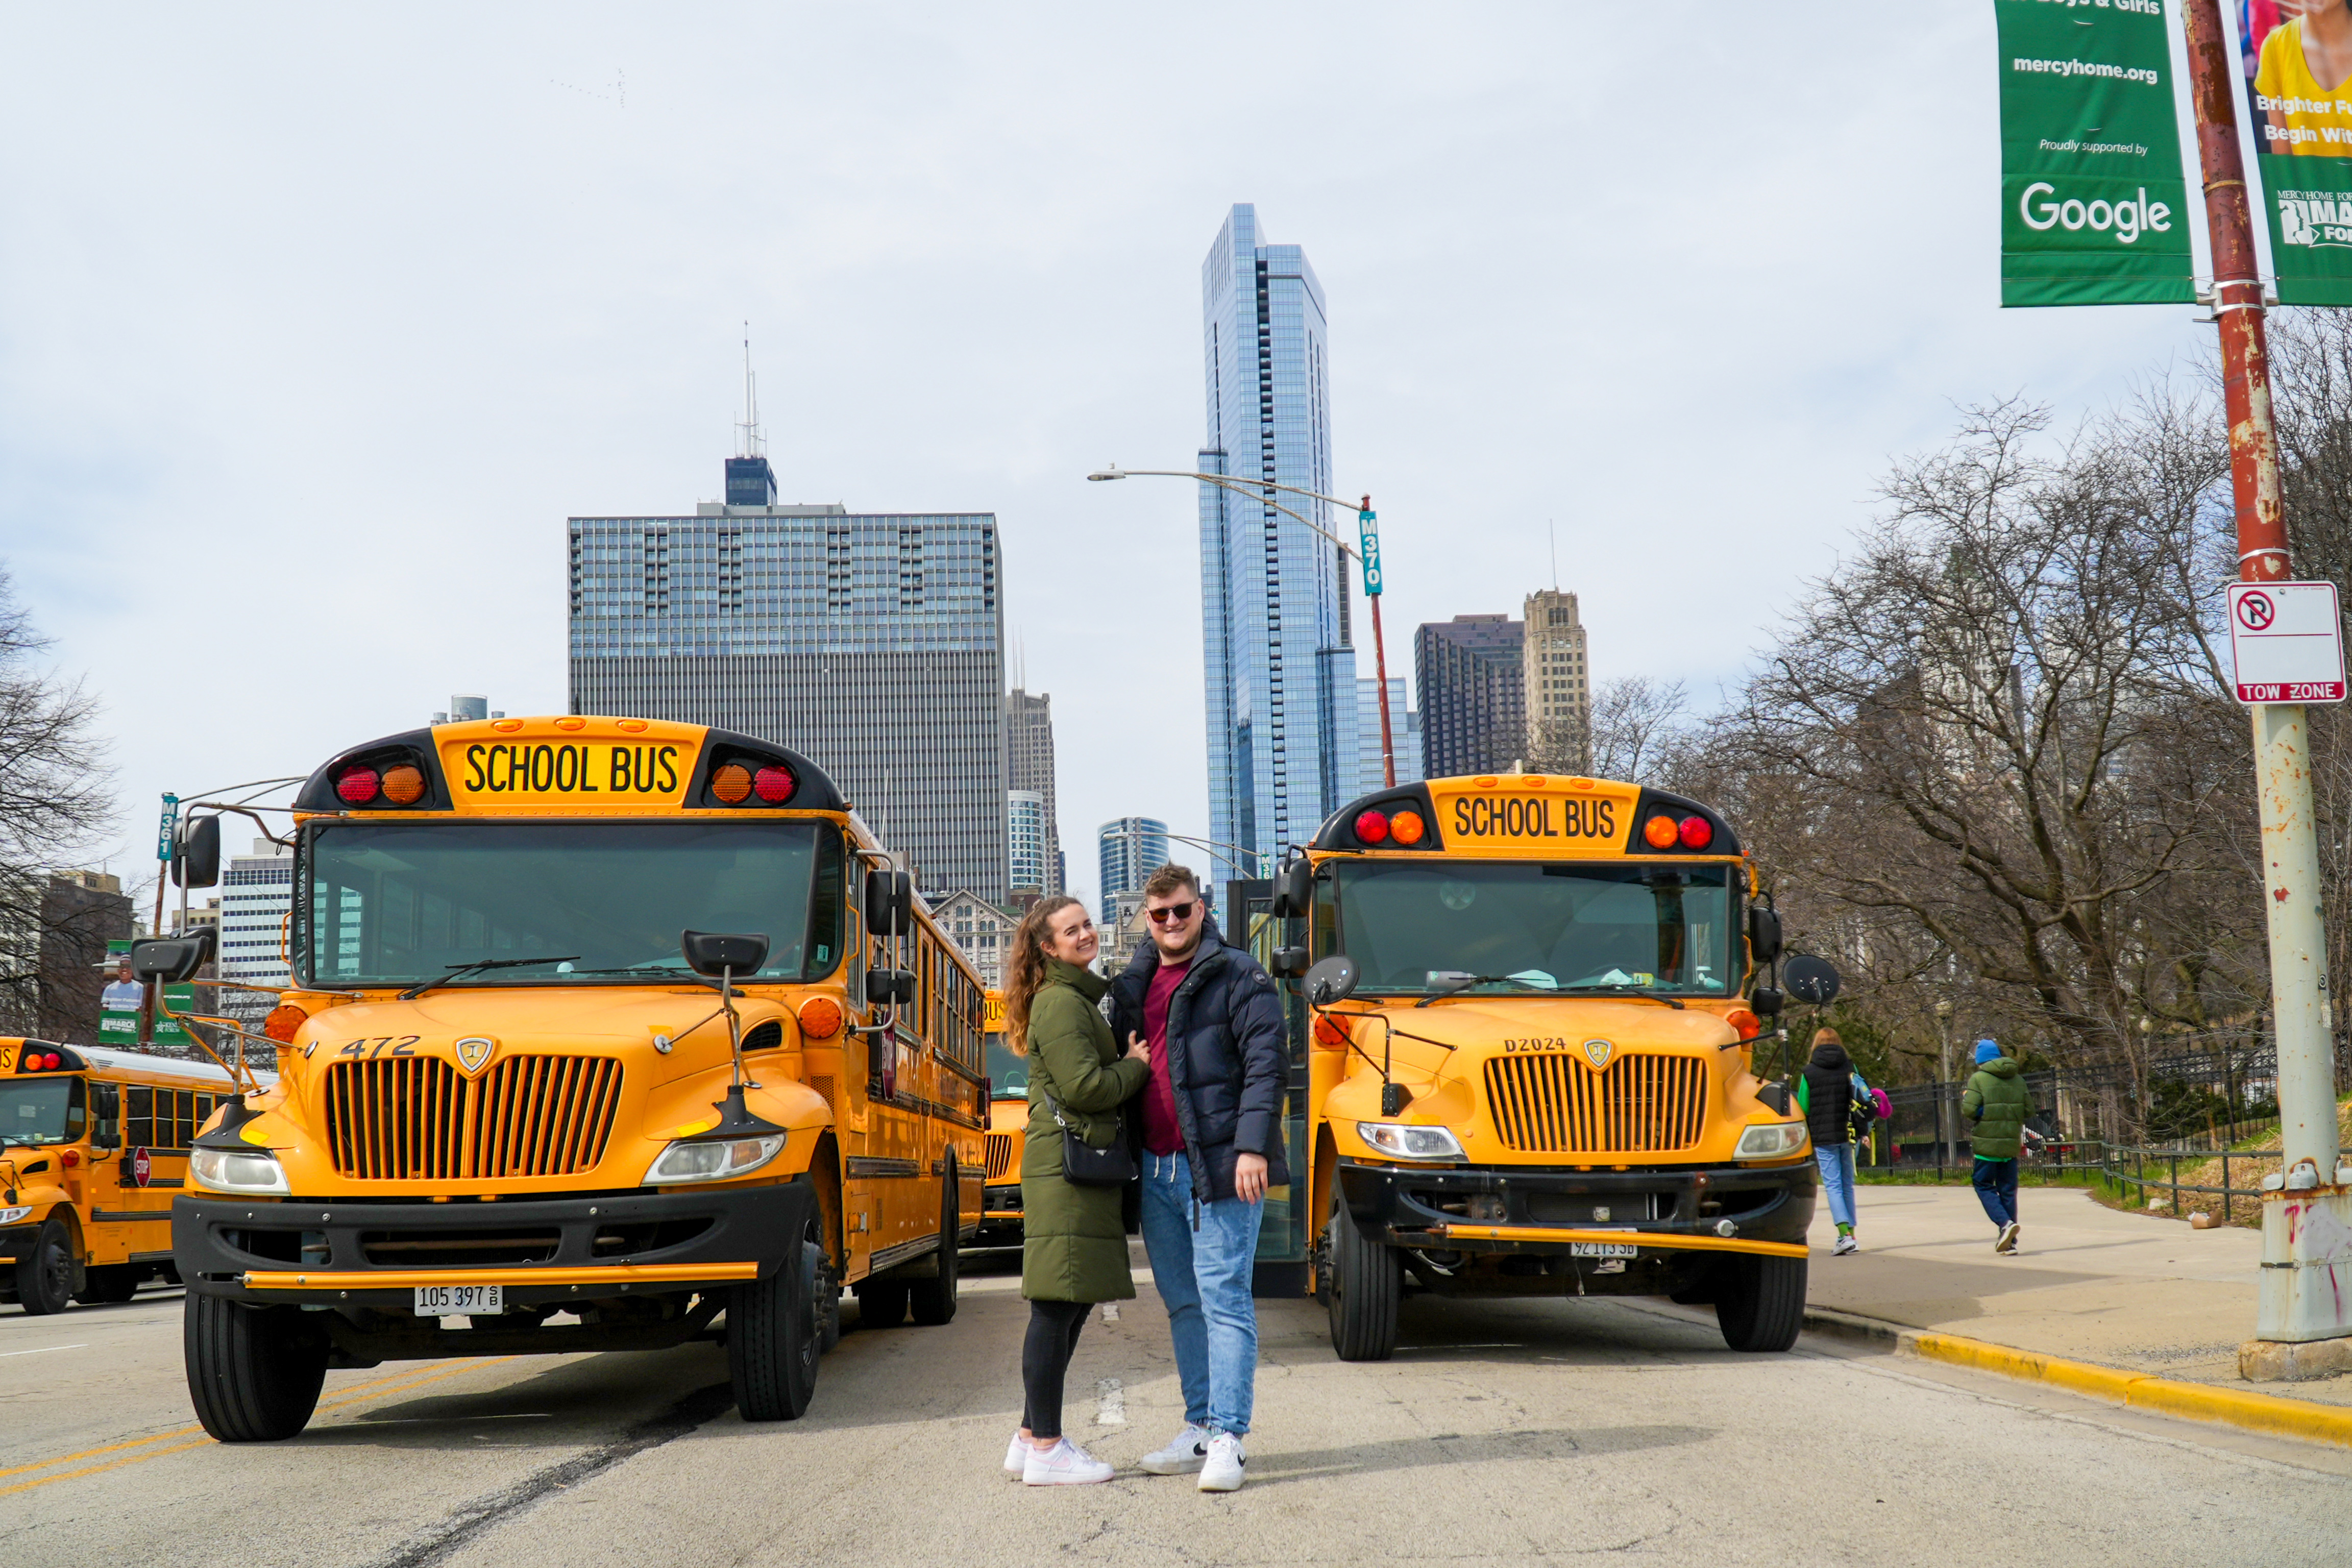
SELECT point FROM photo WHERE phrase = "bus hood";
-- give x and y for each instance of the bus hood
(1590, 1025)
(673, 1025)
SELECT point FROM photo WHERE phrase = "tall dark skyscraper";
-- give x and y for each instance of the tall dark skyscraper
(1029, 766)
(1473, 695)
(871, 641)
(1281, 675)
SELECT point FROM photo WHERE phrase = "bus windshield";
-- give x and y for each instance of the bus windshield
(1008, 1075)
(40, 1111)
(393, 903)
(1421, 925)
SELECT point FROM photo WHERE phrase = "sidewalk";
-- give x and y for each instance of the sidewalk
(2088, 1283)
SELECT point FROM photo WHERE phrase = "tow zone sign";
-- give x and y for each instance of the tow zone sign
(2286, 642)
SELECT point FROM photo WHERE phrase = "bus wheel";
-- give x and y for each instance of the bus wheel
(44, 1277)
(1367, 1281)
(773, 1338)
(106, 1286)
(934, 1299)
(1759, 1302)
(253, 1372)
(881, 1303)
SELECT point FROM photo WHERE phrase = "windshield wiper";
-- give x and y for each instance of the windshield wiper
(477, 967)
(1455, 983)
(1629, 989)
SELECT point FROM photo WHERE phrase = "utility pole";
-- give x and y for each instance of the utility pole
(1368, 531)
(2306, 1290)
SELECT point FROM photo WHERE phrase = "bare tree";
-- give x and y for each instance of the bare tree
(1635, 720)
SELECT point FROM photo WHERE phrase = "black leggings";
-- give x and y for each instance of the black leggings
(1045, 1358)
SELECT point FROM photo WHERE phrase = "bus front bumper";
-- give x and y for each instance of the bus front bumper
(542, 1251)
(1522, 1208)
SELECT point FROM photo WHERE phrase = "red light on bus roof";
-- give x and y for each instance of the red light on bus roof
(1372, 826)
(357, 786)
(774, 785)
(403, 784)
(1661, 833)
(1406, 828)
(732, 783)
(1697, 833)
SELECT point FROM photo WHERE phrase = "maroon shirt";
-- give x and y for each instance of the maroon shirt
(1162, 1133)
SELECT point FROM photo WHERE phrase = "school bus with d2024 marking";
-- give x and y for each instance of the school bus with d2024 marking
(605, 1034)
(1528, 1044)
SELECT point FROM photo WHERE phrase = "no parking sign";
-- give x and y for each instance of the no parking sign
(2286, 642)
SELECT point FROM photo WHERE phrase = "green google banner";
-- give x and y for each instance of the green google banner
(2298, 60)
(2093, 207)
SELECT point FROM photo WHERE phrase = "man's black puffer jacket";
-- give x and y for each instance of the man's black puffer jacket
(1227, 1058)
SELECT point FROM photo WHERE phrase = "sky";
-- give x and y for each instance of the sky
(317, 323)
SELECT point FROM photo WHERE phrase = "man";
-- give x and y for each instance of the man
(1211, 1134)
(124, 993)
(1997, 1100)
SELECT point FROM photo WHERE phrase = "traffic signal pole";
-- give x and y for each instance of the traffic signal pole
(2306, 1276)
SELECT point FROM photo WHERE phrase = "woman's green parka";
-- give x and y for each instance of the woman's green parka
(1073, 1245)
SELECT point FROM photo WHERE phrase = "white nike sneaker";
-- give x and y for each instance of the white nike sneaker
(1186, 1452)
(1846, 1244)
(1220, 1467)
(1016, 1457)
(1063, 1465)
(2007, 1242)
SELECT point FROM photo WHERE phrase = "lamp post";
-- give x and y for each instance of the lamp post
(1367, 554)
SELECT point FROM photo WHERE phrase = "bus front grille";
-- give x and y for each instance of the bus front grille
(416, 1119)
(1000, 1156)
(1640, 1104)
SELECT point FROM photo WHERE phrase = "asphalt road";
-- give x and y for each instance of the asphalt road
(1501, 1433)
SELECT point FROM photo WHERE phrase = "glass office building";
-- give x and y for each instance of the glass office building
(1281, 667)
(1130, 850)
(1025, 842)
(871, 642)
(1404, 734)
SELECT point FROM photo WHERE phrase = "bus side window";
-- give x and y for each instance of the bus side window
(183, 1105)
(140, 1115)
(204, 1111)
(827, 902)
(77, 1115)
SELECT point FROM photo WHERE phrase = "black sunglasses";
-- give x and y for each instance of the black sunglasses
(1161, 917)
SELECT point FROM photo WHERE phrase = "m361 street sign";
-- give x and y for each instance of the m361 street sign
(2287, 643)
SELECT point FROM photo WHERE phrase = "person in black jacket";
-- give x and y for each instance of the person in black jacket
(1826, 1093)
(1212, 1143)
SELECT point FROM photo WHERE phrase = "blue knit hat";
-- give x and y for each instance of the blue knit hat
(1986, 1051)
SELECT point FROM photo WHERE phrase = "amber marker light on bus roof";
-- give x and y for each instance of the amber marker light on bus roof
(774, 785)
(1661, 833)
(1406, 828)
(1697, 833)
(732, 783)
(357, 786)
(1372, 826)
(820, 1017)
(403, 784)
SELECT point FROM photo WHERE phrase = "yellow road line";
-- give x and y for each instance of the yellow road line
(399, 1384)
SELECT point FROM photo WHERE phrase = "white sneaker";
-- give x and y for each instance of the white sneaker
(1063, 1465)
(1016, 1457)
(1846, 1244)
(1220, 1467)
(1186, 1452)
(2007, 1242)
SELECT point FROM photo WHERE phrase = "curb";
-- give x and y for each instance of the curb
(2265, 1413)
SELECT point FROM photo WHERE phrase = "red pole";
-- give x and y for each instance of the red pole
(1380, 669)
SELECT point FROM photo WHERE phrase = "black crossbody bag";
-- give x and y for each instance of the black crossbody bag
(1085, 1166)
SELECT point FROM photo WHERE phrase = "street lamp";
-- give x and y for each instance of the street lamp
(1367, 558)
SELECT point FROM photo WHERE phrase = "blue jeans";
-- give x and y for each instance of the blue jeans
(1203, 1276)
(1995, 1184)
(1836, 1162)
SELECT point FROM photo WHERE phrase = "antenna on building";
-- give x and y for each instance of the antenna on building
(754, 444)
(1553, 532)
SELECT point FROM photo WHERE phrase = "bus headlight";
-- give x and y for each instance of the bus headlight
(1399, 1141)
(238, 1171)
(1772, 1141)
(10, 1217)
(713, 1161)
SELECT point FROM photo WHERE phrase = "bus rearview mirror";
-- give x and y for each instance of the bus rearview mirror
(1294, 890)
(1332, 979)
(1763, 934)
(1814, 981)
(196, 858)
(174, 958)
(889, 902)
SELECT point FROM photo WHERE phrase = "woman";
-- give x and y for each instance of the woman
(1826, 1093)
(1074, 1238)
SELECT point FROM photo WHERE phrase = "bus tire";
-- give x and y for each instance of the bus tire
(1367, 1283)
(254, 1372)
(881, 1303)
(108, 1285)
(774, 1340)
(934, 1299)
(1759, 1302)
(44, 1277)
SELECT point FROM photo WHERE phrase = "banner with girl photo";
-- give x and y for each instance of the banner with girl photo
(2297, 55)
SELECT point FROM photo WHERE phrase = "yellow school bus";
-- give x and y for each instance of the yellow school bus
(1530, 1032)
(605, 1034)
(1008, 1123)
(93, 1144)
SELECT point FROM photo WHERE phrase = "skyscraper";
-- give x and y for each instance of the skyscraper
(1404, 734)
(870, 641)
(1024, 841)
(1559, 691)
(1274, 596)
(1473, 695)
(1029, 765)
(256, 891)
(1132, 848)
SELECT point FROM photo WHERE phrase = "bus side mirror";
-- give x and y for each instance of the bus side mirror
(196, 859)
(711, 953)
(1289, 962)
(106, 1115)
(1766, 1000)
(889, 902)
(1332, 979)
(172, 959)
(1811, 980)
(885, 987)
(1763, 934)
(1294, 890)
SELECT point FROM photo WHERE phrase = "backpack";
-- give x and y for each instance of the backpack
(1869, 1105)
